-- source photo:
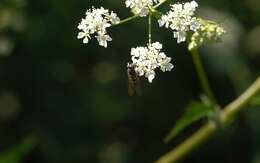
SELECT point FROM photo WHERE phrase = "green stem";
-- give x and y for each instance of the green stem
(189, 145)
(202, 76)
(159, 4)
(238, 105)
(136, 16)
(126, 20)
(150, 29)
(208, 130)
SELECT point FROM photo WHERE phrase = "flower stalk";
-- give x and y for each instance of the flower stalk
(136, 16)
(202, 76)
(126, 20)
(161, 3)
(150, 29)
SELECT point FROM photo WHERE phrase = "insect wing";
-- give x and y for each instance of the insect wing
(134, 86)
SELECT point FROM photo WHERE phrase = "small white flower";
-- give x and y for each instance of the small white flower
(180, 35)
(147, 59)
(151, 76)
(113, 18)
(181, 20)
(157, 45)
(85, 37)
(164, 21)
(102, 39)
(140, 7)
(97, 20)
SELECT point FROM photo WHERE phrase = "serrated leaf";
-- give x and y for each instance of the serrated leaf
(194, 112)
(15, 154)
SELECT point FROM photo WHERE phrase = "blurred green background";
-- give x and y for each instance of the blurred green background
(62, 101)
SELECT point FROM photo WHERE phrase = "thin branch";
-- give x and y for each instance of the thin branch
(208, 130)
(126, 20)
(159, 4)
(136, 16)
(239, 104)
(150, 29)
(202, 76)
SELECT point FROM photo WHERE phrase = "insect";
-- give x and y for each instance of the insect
(134, 87)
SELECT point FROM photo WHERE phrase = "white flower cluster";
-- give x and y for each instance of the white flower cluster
(209, 31)
(96, 21)
(140, 7)
(181, 20)
(147, 59)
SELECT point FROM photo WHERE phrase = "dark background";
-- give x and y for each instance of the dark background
(62, 101)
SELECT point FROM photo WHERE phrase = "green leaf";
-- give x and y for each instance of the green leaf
(194, 112)
(15, 154)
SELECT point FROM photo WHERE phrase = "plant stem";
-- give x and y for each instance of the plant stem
(136, 16)
(238, 105)
(150, 29)
(159, 4)
(190, 144)
(126, 20)
(206, 131)
(202, 76)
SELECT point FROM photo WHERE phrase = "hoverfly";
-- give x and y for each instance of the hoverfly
(134, 87)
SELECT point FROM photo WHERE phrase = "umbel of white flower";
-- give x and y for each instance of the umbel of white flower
(97, 20)
(181, 20)
(141, 7)
(209, 31)
(147, 59)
